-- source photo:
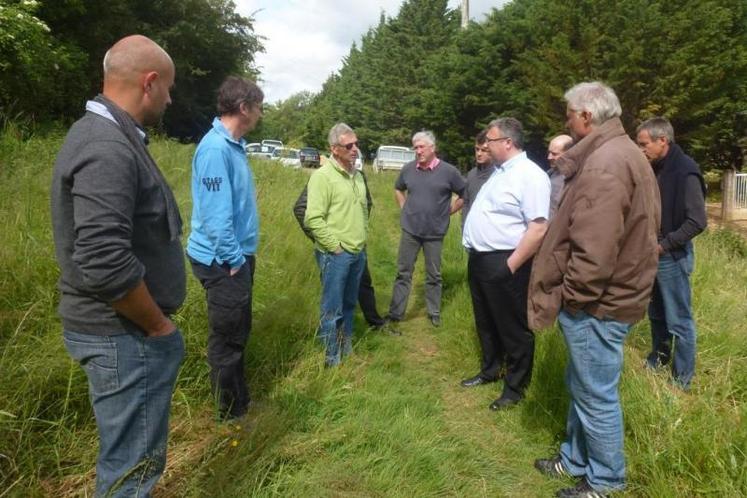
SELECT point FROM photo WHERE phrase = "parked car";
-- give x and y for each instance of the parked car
(264, 151)
(359, 163)
(287, 157)
(253, 147)
(309, 157)
(392, 157)
(273, 143)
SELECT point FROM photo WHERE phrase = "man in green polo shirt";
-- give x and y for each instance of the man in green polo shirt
(337, 215)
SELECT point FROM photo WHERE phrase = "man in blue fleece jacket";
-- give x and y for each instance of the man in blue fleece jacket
(224, 237)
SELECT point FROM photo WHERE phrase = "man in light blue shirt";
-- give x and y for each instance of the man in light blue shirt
(224, 237)
(503, 230)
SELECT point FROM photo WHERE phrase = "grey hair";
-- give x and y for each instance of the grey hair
(657, 127)
(595, 98)
(425, 136)
(337, 131)
(511, 128)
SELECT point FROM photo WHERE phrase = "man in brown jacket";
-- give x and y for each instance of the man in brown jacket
(594, 271)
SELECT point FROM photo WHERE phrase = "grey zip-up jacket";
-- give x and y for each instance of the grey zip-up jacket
(110, 229)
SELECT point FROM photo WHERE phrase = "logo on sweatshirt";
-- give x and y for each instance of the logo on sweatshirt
(212, 184)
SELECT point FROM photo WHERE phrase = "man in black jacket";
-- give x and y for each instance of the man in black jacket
(683, 217)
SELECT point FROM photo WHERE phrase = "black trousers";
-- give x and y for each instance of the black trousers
(367, 300)
(499, 300)
(229, 306)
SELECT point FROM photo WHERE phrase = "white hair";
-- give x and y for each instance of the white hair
(425, 136)
(595, 98)
(337, 132)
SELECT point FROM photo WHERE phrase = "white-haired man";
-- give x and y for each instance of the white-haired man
(594, 271)
(423, 191)
(337, 215)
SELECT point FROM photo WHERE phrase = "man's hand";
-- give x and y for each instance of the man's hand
(234, 271)
(661, 249)
(138, 306)
(339, 249)
(165, 328)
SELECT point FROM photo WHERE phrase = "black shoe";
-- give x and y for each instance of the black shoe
(377, 325)
(435, 320)
(582, 489)
(503, 403)
(477, 380)
(552, 467)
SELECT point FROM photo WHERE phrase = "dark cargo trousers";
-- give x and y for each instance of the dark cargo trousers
(229, 307)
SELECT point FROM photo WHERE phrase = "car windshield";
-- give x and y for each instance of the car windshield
(289, 153)
(312, 152)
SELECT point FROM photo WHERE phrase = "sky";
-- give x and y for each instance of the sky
(305, 40)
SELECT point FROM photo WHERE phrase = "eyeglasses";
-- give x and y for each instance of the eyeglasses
(497, 139)
(349, 146)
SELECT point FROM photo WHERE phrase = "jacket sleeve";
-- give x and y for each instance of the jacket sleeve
(596, 229)
(299, 212)
(317, 209)
(215, 199)
(104, 188)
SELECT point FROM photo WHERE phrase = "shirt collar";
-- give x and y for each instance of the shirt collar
(513, 161)
(336, 164)
(220, 129)
(101, 110)
(430, 166)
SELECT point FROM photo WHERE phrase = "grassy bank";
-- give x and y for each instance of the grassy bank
(392, 421)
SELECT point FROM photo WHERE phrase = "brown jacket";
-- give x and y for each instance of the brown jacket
(599, 254)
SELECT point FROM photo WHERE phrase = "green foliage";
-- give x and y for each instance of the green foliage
(393, 420)
(686, 60)
(60, 57)
(37, 72)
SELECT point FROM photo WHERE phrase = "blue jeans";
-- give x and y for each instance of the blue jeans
(670, 313)
(340, 275)
(594, 444)
(130, 383)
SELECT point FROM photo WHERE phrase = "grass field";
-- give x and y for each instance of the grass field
(392, 421)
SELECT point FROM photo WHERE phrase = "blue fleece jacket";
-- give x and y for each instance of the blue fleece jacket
(225, 220)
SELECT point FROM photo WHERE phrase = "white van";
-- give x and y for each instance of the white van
(392, 157)
(272, 143)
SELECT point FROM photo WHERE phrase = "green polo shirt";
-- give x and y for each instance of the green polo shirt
(336, 210)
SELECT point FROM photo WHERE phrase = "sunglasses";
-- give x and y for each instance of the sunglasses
(349, 146)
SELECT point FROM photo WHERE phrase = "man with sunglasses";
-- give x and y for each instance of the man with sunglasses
(224, 238)
(423, 191)
(337, 215)
(503, 231)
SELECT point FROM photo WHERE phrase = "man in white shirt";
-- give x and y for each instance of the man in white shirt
(502, 232)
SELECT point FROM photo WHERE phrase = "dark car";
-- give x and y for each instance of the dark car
(309, 157)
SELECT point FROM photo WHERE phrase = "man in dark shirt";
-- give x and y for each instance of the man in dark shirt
(683, 216)
(477, 176)
(423, 191)
(555, 149)
(116, 229)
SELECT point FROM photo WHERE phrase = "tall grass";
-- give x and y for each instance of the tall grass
(392, 421)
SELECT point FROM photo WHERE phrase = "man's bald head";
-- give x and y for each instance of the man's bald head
(138, 77)
(132, 56)
(557, 146)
